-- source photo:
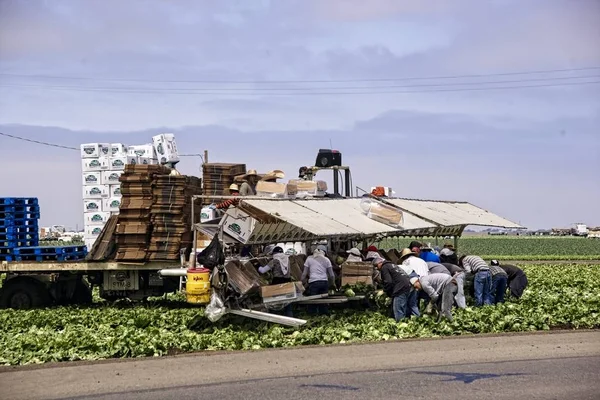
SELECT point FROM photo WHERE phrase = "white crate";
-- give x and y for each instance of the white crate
(166, 148)
(118, 150)
(117, 163)
(92, 231)
(96, 218)
(96, 191)
(114, 190)
(94, 164)
(141, 160)
(93, 205)
(95, 150)
(111, 204)
(92, 178)
(111, 177)
(143, 150)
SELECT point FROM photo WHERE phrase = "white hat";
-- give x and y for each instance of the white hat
(233, 186)
(413, 281)
(251, 172)
(354, 251)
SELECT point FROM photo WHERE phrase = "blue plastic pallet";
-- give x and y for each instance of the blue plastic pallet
(50, 250)
(11, 244)
(69, 257)
(21, 223)
(14, 230)
(19, 216)
(9, 236)
(5, 251)
(21, 201)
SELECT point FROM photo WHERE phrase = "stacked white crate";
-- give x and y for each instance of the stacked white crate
(102, 165)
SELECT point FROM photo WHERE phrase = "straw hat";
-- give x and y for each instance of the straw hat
(406, 253)
(251, 172)
(235, 187)
(275, 174)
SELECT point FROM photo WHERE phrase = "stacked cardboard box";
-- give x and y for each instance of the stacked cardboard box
(357, 272)
(171, 215)
(218, 176)
(134, 223)
(102, 164)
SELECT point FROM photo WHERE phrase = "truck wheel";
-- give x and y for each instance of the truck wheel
(83, 293)
(24, 294)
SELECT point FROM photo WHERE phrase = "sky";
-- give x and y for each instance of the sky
(492, 102)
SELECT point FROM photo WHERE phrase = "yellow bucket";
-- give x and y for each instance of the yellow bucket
(197, 287)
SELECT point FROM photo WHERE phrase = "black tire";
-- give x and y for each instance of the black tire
(82, 293)
(24, 294)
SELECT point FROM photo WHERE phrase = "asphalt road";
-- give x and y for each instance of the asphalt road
(561, 365)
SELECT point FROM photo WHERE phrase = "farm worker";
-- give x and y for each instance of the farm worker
(248, 188)
(517, 280)
(499, 283)
(280, 268)
(437, 268)
(372, 253)
(441, 288)
(318, 273)
(448, 255)
(459, 276)
(483, 279)
(410, 262)
(428, 255)
(233, 191)
(354, 255)
(396, 285)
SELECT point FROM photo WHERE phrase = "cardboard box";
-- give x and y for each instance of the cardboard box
(278, 290)
(357, 268)
(96, 218)
(92, 178)
(111, 204)
(143, 150)
(94, 164)
(95, 150)
(114, 191)
(110, 177)
(95, 191)
(92, 205)
(353, 280)
(117, 163)
(141, 160)
(309, 188)
(166, 148)
(118, 150)
(238, 224)
(92, 231)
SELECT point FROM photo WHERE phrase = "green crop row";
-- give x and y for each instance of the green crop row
(162, 327)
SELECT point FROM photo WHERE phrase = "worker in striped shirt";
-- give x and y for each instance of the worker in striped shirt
(483, 278)
(234, 190)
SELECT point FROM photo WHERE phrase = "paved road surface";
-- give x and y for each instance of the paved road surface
(561, 365)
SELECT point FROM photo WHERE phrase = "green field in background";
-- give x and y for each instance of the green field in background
(515, 247)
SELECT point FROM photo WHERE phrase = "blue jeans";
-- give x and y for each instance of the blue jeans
(413, 304)
(483, 288)
(314, 288)
(400, 306)
(499, 283)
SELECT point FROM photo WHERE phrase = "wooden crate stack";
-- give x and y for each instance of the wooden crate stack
(171, 216)
(218, 176)
(134, 224)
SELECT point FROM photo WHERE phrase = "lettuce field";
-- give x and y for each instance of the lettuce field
(558, 297)
(529, 248)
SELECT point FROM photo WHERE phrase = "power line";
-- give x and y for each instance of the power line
(300, 81)
(38, 142)
(72, 148)
(432, 85)
(175, 91)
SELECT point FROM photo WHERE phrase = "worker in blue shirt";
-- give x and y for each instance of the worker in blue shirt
(427, 255)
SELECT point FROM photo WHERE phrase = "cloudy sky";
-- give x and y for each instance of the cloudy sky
(492, 102)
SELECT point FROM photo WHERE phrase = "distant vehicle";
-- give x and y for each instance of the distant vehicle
(579, 230)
